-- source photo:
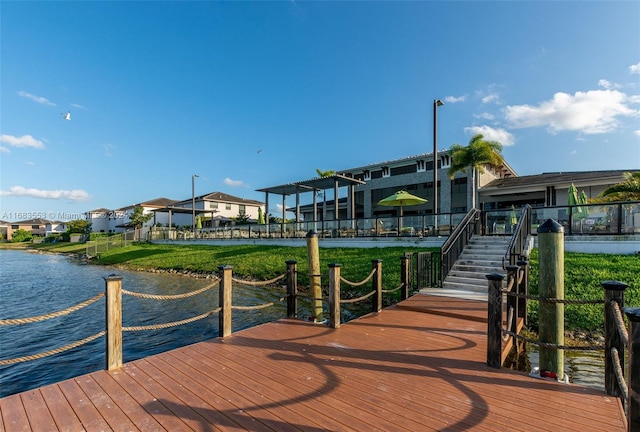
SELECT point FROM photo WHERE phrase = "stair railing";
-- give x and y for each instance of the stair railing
(459, 238)
(517, 249)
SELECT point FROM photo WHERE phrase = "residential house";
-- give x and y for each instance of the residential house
(215, 209)
(37, 227)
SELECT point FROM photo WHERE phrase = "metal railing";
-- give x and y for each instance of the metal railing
(457, 241)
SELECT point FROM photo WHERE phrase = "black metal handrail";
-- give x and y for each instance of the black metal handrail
(456, 242)
(516, 250)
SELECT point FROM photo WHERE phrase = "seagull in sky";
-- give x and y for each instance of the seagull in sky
(67, 116)
(259, 151)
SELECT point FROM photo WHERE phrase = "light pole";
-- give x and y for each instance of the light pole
(436, 104)
(193, 204)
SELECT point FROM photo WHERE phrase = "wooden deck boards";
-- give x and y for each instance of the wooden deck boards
(419, 366)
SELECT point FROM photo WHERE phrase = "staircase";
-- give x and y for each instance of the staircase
(467, 278)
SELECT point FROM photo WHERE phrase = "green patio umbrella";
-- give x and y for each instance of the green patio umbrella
(260, 216)
(582, 199)
(401, 199)
(513, 217)
(198, 222)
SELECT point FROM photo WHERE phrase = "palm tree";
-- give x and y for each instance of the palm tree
(476, 155)
(628, 190)
(325, 174)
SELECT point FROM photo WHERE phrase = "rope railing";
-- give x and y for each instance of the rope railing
(168, 296)
(258, 307)
(53, 351)
(619, 321)
(171, 324)
(29, 320)
(392, 290)
(259, 283)
(357, 299)
(362, 282)
(617, 369)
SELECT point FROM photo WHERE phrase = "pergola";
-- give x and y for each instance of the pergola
(313, 185)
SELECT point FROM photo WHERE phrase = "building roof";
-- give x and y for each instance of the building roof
(38, 221)
(220, 197)
(157, 202)
(316, 183)
(404, 160)
(558, 179)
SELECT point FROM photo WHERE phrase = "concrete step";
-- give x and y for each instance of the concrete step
(477, 274)
(465, 286)
(457, 293)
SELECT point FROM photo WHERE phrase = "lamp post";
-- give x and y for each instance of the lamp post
(193, 204)
(436, 104)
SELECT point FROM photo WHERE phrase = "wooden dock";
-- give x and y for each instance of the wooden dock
(417, 366)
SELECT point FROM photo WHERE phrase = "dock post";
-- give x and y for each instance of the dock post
(313, 257)
(113, 288)
(613, 291)
(494, 320)
(404, 276)
(334, 295)
(633, 403)
(523, 290)
(292, 289)
(551, 286)
(225, 274)
(513, 302)
(376, 265)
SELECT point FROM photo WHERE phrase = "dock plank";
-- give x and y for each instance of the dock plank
(420, 365)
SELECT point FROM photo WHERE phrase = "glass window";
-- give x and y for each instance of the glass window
(227, 206)
(213, 205)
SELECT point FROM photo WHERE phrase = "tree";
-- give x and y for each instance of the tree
(628, 190)
(80, 226)
(476, 155)
(323, 174)
(21, 235)
(242, 219)
(138, 217)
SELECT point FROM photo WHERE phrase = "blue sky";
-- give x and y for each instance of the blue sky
(255, 94)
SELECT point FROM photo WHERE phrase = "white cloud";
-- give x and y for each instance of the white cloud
(608, 84)
(454, 99)
(634, 69)
(75, 105)
(4, 150)
(234, 183)
(30, 163)
(591, 112)
(491, 134)
(485, 116)
(493, 97)
(637, 132)
(39, 99)
(23, 141)
(73, 195)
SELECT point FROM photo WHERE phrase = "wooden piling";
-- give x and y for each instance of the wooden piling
(225, 273)
(613, 291)
(292, 289)
(113, 288)
(494, 320)
(404, 276)
(315, 287)
(633, 402)
(551, 286)
(376, 265)
(334, 295)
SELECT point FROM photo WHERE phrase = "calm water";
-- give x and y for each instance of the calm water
(34, 284)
